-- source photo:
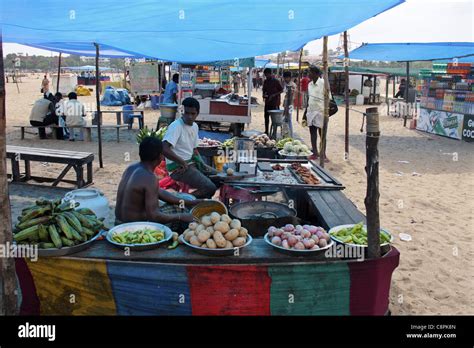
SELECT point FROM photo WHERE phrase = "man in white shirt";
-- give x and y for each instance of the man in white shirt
(74, 111)
(315, 111)
(183, 161)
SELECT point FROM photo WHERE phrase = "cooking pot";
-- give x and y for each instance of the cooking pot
(258, 216)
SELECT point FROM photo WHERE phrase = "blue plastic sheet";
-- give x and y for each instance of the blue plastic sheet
(407, 52)
(115, 97)
(181, 31)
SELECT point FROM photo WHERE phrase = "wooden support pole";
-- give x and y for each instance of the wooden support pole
(372, 170)
(393, 87)
(97, 98)
(407, 88)
(300, 100)
(322, 152)
(387, 82)
(59, 72)
(346, 96)
(8, 299)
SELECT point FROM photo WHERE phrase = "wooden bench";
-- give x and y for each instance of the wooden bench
(87, 129)
(332, 208)
(72, 159)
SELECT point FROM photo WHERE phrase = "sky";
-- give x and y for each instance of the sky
(412, 21)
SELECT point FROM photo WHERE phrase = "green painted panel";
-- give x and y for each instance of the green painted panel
(313, 289)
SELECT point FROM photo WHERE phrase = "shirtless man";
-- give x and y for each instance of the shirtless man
(138, 192)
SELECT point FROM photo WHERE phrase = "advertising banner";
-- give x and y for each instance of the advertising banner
(448, 124)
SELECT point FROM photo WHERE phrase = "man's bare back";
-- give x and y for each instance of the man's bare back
(135, 182)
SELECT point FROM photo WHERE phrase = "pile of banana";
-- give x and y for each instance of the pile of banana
(52, 224)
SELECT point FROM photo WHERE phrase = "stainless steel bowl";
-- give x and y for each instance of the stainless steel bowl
(216, 252)
(384, 248)
(134, 226)
(68, 250)
(293, 252)
(281, 153)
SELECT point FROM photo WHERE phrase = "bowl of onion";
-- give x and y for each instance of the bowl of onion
(299, 240)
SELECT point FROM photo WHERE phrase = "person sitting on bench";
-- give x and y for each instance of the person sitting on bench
(43, 114)
(74, 111)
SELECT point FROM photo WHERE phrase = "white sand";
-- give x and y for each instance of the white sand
(435, 275)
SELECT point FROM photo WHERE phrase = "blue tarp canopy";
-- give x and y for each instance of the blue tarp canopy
(86, 68)
(83, 49)
(182, 31)
(408, 52)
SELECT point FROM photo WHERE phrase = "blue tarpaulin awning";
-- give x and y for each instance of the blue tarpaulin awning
(408, 52)
(86, 68)
(183, 31)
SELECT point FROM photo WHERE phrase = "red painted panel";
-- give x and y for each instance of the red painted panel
(370, 284)
(229, 290)
(30, 304)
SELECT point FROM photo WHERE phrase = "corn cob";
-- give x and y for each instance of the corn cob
(73, 221)
(53, 233)
(27, 233)
(43, 233)
(33, 222)
(63, 225)
(67, 242)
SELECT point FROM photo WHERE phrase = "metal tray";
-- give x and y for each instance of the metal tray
(69, 250)
(292, 252)
(300, 179)
(215, 252)
(131, 226)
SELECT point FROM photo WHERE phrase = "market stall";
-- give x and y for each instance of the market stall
(447, 101)
(56, 285)
(260, 280)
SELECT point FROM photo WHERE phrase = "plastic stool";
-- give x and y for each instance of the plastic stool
(274, 130)
(133, 116)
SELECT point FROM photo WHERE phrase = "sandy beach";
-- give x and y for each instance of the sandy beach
(426, 190)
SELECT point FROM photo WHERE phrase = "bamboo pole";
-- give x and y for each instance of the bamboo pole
(322, 152)
(393, 87)
(59, 72)
(300, 100)
(346, 96)
(97, 98)
(8, 300)
(372, 169)
(407, 88)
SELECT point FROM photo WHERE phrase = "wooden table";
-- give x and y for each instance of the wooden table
(118, 114)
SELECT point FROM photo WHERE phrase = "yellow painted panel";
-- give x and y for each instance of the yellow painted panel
(73, 286)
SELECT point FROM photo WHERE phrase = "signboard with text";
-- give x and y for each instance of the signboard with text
(144, 78)
(468, 128)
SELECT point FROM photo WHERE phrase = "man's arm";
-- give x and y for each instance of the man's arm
(152, 208)
(170, 154)
(170, 198)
